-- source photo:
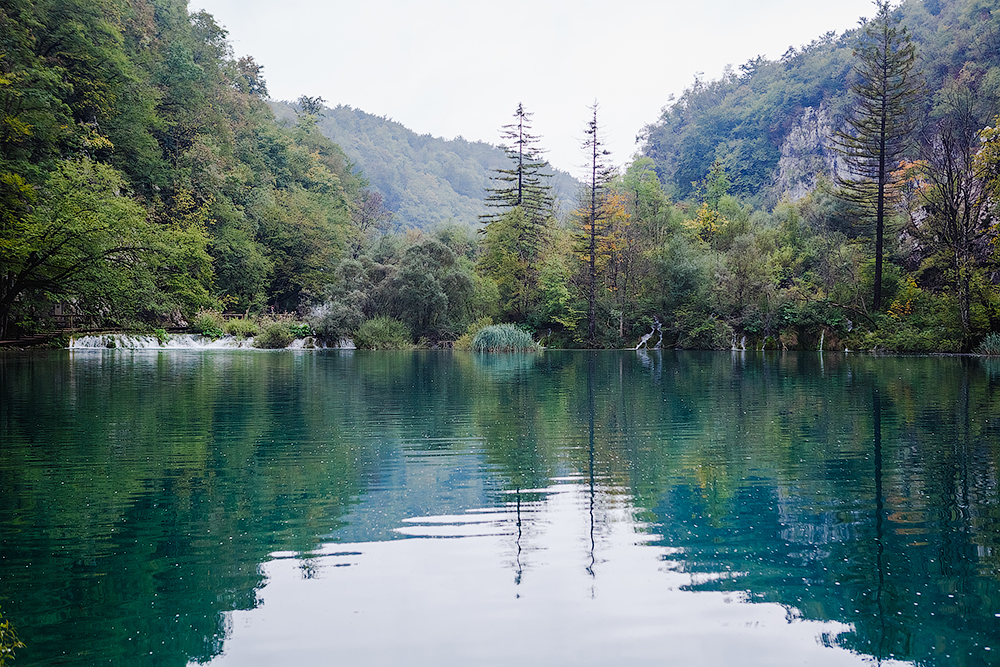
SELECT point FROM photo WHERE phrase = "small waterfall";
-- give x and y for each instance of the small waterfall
(170, 342)
(822, 337)
(645, 337)
(188, 342)
(313, 343)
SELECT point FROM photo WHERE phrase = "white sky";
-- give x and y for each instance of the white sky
(459, 67)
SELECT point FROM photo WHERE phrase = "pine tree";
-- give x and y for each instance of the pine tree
(885, 92)
(518, 228)
(523, 184)
(593, 213)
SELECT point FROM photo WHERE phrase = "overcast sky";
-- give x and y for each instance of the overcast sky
(460, 67)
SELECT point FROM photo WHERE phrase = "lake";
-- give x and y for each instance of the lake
(443, 508)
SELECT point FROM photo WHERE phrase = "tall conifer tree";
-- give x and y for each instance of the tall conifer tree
(523, 184)
(885, 91)
(518, 227)
(593, 213)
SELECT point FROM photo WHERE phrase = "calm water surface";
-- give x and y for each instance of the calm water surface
(336, 507)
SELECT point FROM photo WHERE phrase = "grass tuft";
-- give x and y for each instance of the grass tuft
(990, 345)
(503, 338)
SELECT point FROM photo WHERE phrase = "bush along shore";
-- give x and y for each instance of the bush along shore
(214, 330)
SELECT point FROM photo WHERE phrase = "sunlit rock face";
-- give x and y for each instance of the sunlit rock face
(807, 154)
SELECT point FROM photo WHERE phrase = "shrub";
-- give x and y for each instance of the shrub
(300, 329)
(335, 320)
(209, 323)
(503, 338)
(382, 333)
(273, 336)
(242, 328)
(990, 345)
(464, 342)
(161, 336)
(706, 334)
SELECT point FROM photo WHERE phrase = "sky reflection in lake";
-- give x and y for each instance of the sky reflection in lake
(239, 507)
(478, 589)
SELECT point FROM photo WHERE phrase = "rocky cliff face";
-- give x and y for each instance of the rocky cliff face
(807, 153)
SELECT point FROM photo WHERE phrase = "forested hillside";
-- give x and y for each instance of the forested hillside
(142, 175)
(768, 122)
(423, 180)
(145, 181)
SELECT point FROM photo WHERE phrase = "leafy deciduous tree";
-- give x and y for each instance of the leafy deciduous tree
(959, 221)
(84, 240)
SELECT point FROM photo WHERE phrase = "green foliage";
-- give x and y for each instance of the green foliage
(696, 331)
(424, 181)
(383, 333)
(242, 327)
(161, 335)
(136, 127)
(274, 335)
(990, 346)
(83, 241)
(464, 342)
(270, 332)
(9, 641)
(514, 244)
(503, 338)
(209, 323)
(416, 279)
(905, 338)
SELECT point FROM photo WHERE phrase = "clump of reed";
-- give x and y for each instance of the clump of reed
(503, 338)
(464, 342)
(990, 345)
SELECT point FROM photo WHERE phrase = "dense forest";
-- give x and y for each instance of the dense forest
(145, 179)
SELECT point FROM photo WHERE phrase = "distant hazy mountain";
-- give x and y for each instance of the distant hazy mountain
(423, 179)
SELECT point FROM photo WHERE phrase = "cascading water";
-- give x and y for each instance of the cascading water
(185, 342)
(645, 337)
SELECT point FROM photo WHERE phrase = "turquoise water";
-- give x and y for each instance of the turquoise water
(442, 508)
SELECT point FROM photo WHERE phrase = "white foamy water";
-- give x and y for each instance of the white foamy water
(186, 342)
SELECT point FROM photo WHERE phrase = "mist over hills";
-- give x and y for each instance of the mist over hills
(424, 180)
